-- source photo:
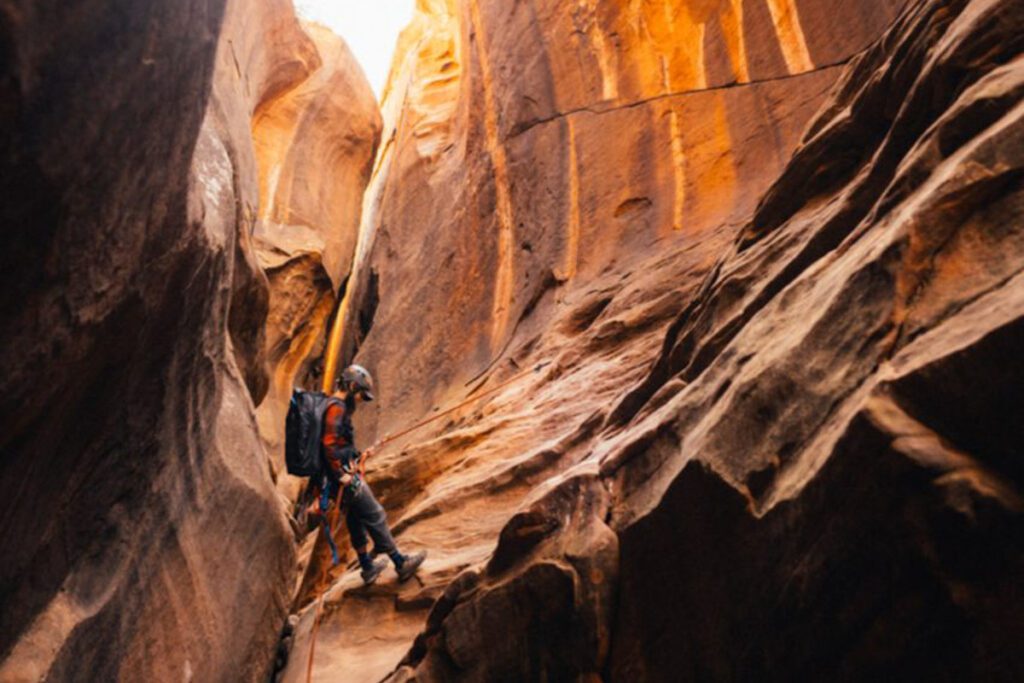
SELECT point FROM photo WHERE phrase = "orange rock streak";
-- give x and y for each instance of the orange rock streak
(587, 25)
(731, 21)
(791, 35)
(502, 302)
(678, 170)
(334, 345)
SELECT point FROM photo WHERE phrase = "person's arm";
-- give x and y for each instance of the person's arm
(346, 470)
(335, 443)
(362, 461)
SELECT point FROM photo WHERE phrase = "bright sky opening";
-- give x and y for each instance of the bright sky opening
(370, 27)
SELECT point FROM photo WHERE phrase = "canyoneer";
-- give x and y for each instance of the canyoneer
(342, 473)
(320, 443)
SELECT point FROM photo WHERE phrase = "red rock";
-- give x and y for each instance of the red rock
(750, 269)
(567, 139)
(141, 534)
(315, 146)
(796, 413)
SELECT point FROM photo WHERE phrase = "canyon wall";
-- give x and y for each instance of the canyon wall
(754, 272)
(142, 537)
(534, 145)
(737, 283)
(315, 146)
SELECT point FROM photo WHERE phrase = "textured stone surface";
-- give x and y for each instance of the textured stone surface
(541, 143)
(759, 262)
(141, 535)
(874, 276)
(776, 443)
(315, 145)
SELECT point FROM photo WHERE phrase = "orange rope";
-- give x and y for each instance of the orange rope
(312, 638)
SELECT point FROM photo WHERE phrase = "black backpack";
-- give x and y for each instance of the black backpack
(302, 431)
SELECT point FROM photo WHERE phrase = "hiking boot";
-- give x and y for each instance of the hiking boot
(411, 564)
(370, 575)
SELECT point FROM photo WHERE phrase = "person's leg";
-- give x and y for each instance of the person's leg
(357, 534)
(374, 520)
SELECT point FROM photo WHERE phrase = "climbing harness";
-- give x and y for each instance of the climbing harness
(325, 502)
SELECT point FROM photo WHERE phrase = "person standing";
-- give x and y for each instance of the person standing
(364, 516)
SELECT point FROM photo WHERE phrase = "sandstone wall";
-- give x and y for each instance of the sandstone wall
(315, 146)
(774, 444)
(533, 145)
(141, 535)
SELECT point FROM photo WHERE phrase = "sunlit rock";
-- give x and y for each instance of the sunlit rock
(765, 257)
(315, 145)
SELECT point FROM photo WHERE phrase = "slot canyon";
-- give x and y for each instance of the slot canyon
(719, 305)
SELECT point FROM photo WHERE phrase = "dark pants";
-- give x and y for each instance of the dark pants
(364, 515)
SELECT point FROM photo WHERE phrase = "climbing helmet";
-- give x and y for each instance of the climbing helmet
(358, 378)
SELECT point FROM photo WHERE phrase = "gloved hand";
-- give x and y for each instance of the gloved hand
(349, 458)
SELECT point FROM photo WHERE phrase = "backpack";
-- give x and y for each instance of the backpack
(302, 431)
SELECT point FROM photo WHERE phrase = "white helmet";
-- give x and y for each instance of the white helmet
(357, 378)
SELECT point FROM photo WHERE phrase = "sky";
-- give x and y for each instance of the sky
(370, 27)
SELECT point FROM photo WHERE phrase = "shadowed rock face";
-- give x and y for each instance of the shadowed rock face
(141, 535)
(776, 443)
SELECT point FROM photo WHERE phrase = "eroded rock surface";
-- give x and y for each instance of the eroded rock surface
(774, 443)
(141, 537)
(315, 145)
(533, 145)
(751, 269)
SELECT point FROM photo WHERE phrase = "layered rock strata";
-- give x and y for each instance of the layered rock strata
(774, 443)
(141, 535)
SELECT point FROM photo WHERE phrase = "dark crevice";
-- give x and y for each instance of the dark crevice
(583, 317)
(368, 304)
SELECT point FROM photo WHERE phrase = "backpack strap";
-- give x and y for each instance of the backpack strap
(325, 503)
